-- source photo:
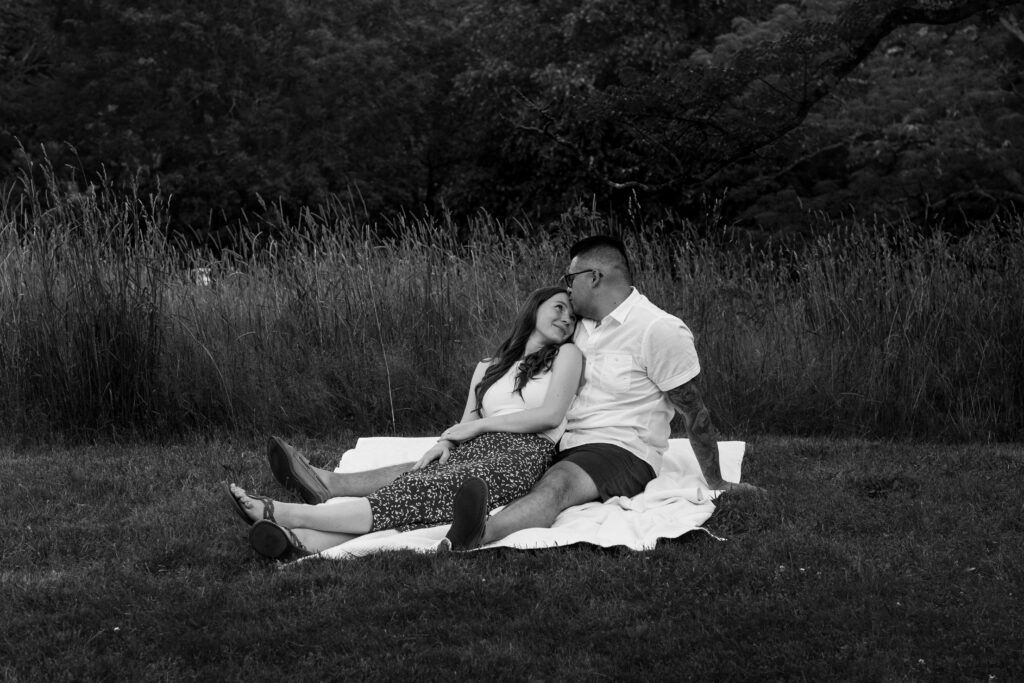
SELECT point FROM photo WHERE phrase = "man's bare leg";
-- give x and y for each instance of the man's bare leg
(565, 484)
(316, 485)
(361, 483)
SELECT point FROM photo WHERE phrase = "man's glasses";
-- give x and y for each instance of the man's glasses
(569, 277)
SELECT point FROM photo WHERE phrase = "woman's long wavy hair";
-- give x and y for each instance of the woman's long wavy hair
(512, 348)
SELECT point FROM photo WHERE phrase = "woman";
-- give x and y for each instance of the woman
(514, 415)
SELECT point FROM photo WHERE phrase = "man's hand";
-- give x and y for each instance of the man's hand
(737, 487)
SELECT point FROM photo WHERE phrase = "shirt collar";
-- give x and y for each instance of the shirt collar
(620, 313)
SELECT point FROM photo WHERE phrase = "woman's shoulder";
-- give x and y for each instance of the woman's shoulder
(481, 368)
(568, 351)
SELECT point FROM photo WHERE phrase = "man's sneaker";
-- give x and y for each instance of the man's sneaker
(294, 472)
(470, 515)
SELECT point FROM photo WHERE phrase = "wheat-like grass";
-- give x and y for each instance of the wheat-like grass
(106, 328)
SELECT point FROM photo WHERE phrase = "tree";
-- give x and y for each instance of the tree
(928, 127)
(233, 108)
(670, 127)
(539, 72)
(266, 106)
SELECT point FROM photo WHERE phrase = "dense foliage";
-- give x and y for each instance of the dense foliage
(522, 108)
(930, 127)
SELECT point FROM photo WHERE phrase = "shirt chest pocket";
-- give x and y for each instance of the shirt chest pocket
(616, 374)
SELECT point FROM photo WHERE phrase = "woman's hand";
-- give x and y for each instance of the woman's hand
(464, 431)
(439, 451)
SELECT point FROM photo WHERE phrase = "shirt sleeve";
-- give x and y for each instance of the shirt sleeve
(670, 353)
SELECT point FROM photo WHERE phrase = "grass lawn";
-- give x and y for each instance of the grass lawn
(869, 561)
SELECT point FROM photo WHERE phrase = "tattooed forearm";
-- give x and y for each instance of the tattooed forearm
(699, 428)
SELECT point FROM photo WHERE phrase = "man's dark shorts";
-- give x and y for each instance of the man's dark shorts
(615, 471)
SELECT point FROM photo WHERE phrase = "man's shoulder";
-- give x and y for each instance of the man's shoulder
(657, 331)
(646, 313)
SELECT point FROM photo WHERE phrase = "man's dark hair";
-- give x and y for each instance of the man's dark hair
(589, 243)
(607, 248)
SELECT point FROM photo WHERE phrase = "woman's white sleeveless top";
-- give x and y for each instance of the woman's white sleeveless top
(501, 399)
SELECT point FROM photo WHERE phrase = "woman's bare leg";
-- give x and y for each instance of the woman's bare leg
(314, 541)
(347, 516)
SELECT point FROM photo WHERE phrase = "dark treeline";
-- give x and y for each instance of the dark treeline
(754, 113)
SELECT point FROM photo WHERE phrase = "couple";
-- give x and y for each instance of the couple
(630, 368)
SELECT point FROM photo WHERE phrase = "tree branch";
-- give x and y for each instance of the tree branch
(1011, 24)
(748, 83)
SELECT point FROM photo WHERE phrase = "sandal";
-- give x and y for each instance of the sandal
(268, 506)
(272, 540)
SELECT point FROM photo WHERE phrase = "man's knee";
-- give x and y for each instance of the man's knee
(567, 484)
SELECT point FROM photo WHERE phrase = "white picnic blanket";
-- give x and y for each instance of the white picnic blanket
(676, 501)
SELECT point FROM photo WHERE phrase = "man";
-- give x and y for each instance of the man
(640, 369)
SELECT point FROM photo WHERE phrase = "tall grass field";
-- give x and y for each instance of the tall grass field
(109, 331)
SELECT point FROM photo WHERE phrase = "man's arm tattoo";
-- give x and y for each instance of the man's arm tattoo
(699, 428)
